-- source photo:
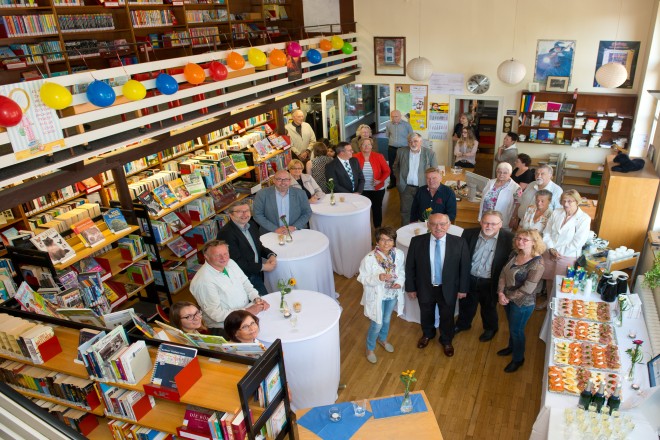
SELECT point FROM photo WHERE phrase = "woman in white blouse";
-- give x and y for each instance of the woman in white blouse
(501, 194)
(304, 181)
(537, 215)
(565, 234)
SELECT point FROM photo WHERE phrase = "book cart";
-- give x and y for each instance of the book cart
(215, 380)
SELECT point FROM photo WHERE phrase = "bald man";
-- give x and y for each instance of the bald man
(301, 134)
(397, 131)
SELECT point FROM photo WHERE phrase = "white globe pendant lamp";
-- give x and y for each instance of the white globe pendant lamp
(511, 71)
(611, 75)
(419, 69)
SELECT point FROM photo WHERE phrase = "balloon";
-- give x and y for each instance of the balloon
(55, 96)
(294, 49)
(134, 90)
(337, 42)
(194, 74)
(100, 94)
(314, 56)
(277, 58)
(217, 70)
(347, 48)
(10, 112)
(256, 57)
(325, 45)
(166, 84)
(235, 61)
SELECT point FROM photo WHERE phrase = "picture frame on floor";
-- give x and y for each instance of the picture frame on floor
(390, 56)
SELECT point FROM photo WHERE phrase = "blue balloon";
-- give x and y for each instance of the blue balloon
(100, 94)
(314, 56)
(166, 84)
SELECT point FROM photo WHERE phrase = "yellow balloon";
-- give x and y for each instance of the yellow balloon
(134, 90)
(256, 57)
(55, 96)
(337, 42)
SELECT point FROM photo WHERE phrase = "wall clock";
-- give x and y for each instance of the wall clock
(478, 84)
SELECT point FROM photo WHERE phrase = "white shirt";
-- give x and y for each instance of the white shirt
(218, 294)
(413, 168)
(443, 243)
(528, 197)
(569, 238)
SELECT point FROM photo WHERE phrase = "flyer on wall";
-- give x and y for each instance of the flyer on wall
(39, 131)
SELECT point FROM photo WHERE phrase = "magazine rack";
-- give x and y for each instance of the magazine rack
(185, 379)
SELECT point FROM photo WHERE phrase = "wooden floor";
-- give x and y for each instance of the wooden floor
(471, 395)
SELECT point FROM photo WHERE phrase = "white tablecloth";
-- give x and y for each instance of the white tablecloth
(306, 258)
(542, 428)
(311, 350)
(403, 236)
(347, 226)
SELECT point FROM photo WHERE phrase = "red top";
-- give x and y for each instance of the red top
(378, 165)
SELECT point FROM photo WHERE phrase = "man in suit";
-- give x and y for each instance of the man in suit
(245, 248)
(301, 134)
(490, 248)
(345, 171)
(409, 168)
(437, 272)
(272, 203)
(440, 198)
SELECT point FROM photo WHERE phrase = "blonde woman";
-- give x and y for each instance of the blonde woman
(465, 151)
(363, 131)
(304, 181)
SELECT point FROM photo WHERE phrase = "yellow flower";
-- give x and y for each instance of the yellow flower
(292, 282)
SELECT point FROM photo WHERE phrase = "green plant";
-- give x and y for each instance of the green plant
(652, 276)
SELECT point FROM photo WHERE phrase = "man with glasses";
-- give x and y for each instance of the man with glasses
(489, 247)
(275, 202)
(397, 131)
(220, 287)
(245, 248)
(437, 272)
(345, 171)
(301, 134)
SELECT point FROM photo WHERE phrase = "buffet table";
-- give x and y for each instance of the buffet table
(551, 401)
(311, 348)
(348, 227)
(306, 258)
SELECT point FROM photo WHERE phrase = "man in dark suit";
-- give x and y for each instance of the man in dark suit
(437, 272)
(490, 249)
(341, 166)
(245, 248)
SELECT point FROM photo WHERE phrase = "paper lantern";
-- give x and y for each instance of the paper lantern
(194, 74)
(100, 94)
(419, 69)
(611, 75)
(10, 112)
(277, 58)
(134, 90)
(511, 72)
(217, 70)
(55, 96)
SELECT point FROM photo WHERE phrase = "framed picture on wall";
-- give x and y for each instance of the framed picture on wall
(622, 52)
(390, 56)
(557, 84)
(553, 58)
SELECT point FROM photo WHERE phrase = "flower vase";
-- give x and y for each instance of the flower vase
(406, 403)
(618, 319)
(289, 238)
(630, 377)
(283, 304)
(332, 198)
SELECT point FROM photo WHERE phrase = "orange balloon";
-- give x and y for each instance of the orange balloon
(194, 74)
(325, 45)
(235, 61)
(277, 58)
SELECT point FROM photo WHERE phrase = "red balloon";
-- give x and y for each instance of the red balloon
(217, 70)
(10, 112)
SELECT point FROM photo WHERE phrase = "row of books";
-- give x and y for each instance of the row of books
(208, 15)
(151, 18)
(81, 421)
(173, 192)
(176, 150)
(25, 340)
(7, 284)
(133, 247)
(27, 25)
(22, 55)
(127, 431)
(530, 104)
(51, 199)
(140, 272)
(204, 36)
(86, 22)
(18, 4)
(174, 278)
(68, 3)
(203, 423)
(127, 404)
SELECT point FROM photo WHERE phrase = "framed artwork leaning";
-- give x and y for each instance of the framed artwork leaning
(557, 84)
(554, 58)
(390, 56)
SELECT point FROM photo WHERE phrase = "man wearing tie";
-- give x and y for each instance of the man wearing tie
(437, 272)
(345, 171)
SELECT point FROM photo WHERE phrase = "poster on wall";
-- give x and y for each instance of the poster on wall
(390, 56)
(553, 58)
(622, 52)
(438, 120)
(39, 131)
(418, 112)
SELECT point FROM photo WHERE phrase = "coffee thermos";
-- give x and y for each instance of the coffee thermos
(610, 291)
(602, 283)
(622, 284)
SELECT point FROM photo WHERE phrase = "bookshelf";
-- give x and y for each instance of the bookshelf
(583, 120)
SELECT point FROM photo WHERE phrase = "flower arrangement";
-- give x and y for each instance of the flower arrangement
(286, 225)
(285, 288)
(623, 306)
(636, 357)
(426, 214)
(331, 187)
(407, 377)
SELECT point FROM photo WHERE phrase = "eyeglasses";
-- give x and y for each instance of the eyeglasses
(247, 327)
(438, 224)
(523, 239)
(295, 169)
(282, 180)
(192, 316)
(386, 240)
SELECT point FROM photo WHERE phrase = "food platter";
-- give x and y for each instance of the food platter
(585, 354)
(578, 330)
(580, 309)
(572, 380)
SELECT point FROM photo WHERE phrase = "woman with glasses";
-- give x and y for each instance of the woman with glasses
(376, 171)
(382, 273)
(304, 181)
(242, 326)
(564, 235)
(501, 194)
(187, 317)
(516, 291)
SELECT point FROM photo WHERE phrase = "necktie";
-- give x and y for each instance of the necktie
(350, 174)
(437, 266)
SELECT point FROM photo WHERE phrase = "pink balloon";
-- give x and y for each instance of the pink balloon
(294, 49)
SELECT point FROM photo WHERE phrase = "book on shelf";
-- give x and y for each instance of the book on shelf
(553, 106)
(250, 349)
(32, 301)
(41, 343)
(92, 292)
(115, 220)
(37, 276)
(543, 134)
(142, 325)
(239, 161)
(165, 196)
(566, 107)
(228, 166)
(140, 272)
(174, 334)
(131, 246)
(170, 360)
(149, 201)
(539, 106)
(567, 122)
(533, 134)
(161, 231)
(69, 298)
(88, 185)
(178, 188)
(88, 232)
(178, 222)
(52, 242)
(194, 183)
(82, 316)
(180, 247)
(7, 284)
